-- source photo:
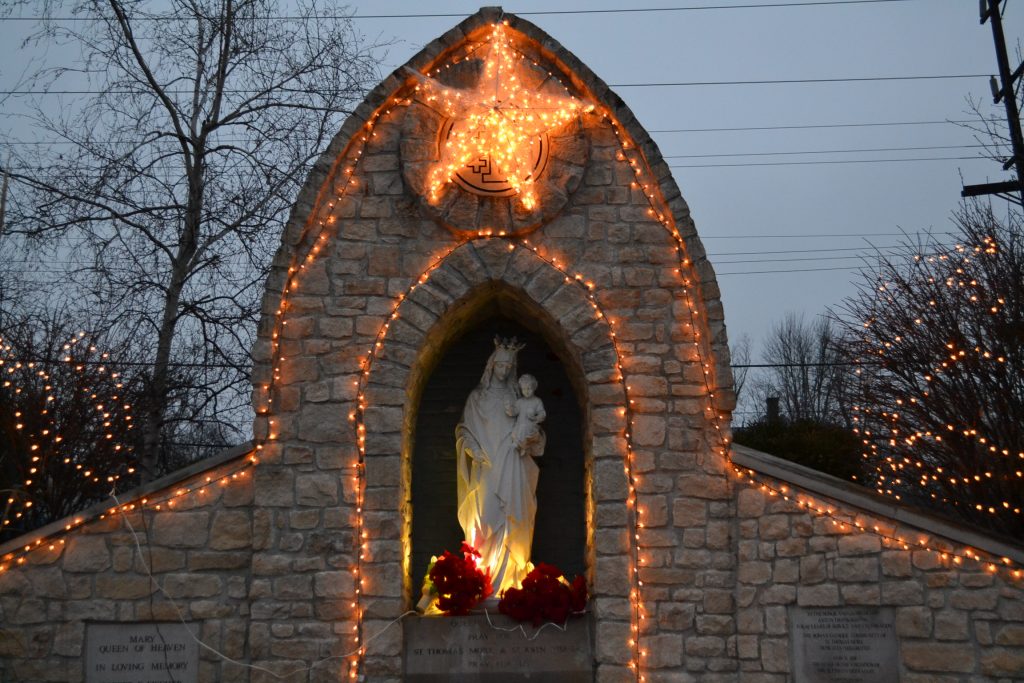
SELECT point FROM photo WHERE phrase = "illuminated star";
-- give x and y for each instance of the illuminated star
(497, 120)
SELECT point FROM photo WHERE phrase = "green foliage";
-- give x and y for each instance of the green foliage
(821, 446)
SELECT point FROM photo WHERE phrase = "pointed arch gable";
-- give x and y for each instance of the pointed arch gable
(315, 214)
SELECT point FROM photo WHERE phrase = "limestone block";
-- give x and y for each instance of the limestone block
(68, 639)
(715, 624)
(812, 569)
(663, 651)
(648, 430)
(822, 595)
(316, 490)
(773, 527)
(124, 587)
(86, 554)
(207, 560)
(776, 620)
(703, 486)
(1003, 663)
(676, 616)
(181, 529)
(914, 622)
(855, 569)
(612, 576)
(952, 625)
(193, 585)
(704, 646)
(689, 512)
(896, 563)
(754, 572)
(323, 423)
(93, 609)
(779, 594)
(984, 599)
(791, 548)
(976, 580)
(938, 657)
(786, 571)
(230, 530)
(775, 654)
(861, 594)
(750, 503)
(1010, 634)
(275, 487)
(902, 593)
(860, 544)
(48, 582)
(747, 647)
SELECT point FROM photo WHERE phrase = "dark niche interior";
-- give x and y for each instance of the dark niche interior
(559, 535)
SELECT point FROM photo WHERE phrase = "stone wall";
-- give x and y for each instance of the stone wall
(188, 561)
(304, 570)
(956, 618)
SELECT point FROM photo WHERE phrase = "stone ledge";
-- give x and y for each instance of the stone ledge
(94, 511)
(869, 501)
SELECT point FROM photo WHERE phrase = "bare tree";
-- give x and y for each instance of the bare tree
(805, 373)
(939, 339)
(168, 185)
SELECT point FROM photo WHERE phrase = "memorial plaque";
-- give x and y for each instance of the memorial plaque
(843, 645)
(141, 653)
(473, 649)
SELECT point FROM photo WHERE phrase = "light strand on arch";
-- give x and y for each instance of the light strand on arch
(665, 218)
(846, 520)
(629, 153)
(325, 224)
(587, 288)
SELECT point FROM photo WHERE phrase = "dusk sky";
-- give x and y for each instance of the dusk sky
(785, 213)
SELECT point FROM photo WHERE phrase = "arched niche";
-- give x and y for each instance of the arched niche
(448, 372)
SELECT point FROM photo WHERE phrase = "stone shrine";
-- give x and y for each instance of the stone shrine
(495, 186)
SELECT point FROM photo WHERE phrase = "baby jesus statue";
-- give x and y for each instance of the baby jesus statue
(527, 436)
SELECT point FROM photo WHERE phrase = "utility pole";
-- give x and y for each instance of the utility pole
(1003, 90)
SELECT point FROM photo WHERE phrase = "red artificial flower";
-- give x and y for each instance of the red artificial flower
(459, 582)
(545, 595)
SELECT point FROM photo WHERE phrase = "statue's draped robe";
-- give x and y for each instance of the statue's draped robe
(497, 497)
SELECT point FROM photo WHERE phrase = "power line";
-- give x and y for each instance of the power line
(785, 81)
(834, 161)
(791, 270)
(662, 130)
(820, 151)
(810, 258)
(778, 81)
(814, 125)
(819, 235)
(785, 251)
(432, 15)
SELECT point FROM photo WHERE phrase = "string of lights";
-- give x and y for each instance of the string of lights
(846, 521)
(33, 392)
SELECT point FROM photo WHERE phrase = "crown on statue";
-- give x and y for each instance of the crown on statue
(507, 347)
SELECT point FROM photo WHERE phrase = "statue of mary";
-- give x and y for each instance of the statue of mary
(497, 482)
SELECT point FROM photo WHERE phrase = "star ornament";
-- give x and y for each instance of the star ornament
(499, 119)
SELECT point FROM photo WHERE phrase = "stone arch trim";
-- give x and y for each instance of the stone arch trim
(415, 324)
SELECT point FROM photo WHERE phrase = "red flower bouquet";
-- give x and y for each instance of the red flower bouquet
(545, 595)
(458, 582)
